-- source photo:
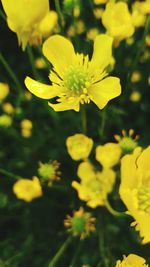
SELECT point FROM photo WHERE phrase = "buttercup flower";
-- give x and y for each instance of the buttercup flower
(132, 260)
(117, 20)
(135, 189)
(49, 172)
(27, 189)
(75, 79)
(94, 186)
(81, 223)
(108, 155)
(79, 146)
(127, 142)
(24, 16)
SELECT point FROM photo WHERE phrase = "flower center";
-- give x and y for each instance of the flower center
(76, 79)
(144, 198)
(78, 224)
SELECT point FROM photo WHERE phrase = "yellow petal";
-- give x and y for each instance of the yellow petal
(41, 90)
(60, 52)
(48, 23)
(143, 160)
(102, 53)
(66, 105)
(105, 90)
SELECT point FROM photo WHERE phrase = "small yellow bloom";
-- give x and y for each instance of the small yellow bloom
(98, 12)
(81, 223)
(23, 16)
(79, 146)
(135, 189)
(40, 63)
(8, 108)
(138, 18)
(108, 155)
(26, 124)
(27, 189)
(75, 79)
(135, 96)
(94, 186)
(117, 20)
(4, 91)
(136, 77)
(26, 133)
(128, 141)
(142, 6)
(92, 33)
(99, 2)
(132, 260)
(5, 120)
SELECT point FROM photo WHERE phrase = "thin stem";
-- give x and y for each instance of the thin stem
(61, 19)
(112, 211)
(60, 252)
(103, 121)
(12, 75)
(32, 61)
(9, 174)
(84, 119)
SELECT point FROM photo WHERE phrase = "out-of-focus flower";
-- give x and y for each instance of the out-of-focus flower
(79, 146)
(8, 108)
(142, 6)
(80, 224)
(135, 77)
(26, 128)
(138, 18)
(5, 120)
(4, 91)
(135, 96)
(147, 40)
(135, 189)
(49, 172)
(99, 2)
(30, 20)
(27, 189)
(92, 33)
(130, 41)
(75, 79)
(40, 63)
(72, 7)
(127, 142)
(132, 260)
(98, 12)
(118, 21)
(94, 186)
(108, 155)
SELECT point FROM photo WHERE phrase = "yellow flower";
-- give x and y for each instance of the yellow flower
(27, 189)
(94, 186)
(135, 189)
(135, 96)
(117, 20)
(79, 146)
(99, 2)
(8, 108)
(142, 6)
(23, 16)
(26, 124)
(75, 79)
(81, 223)
(138, 18)
(5, 120)
(4, 91)
(127, 142)
(49, 172)
(108, 155)
(132, 260)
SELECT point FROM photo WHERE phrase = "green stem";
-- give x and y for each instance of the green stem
(112, 211)
(60, 252)
(103, 121)
(84, 119)
(61, 19)
(12, 75)
(32, 61)
(9, 174)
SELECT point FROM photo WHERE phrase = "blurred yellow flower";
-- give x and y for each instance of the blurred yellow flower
(142, 6)
(49, 172)
(75, 79)
(99, 2)
(79, 146)
(81, 223)
(24, 18)
(27, 189)
(138, 18)
(108, 155)
(135, 96)
(8, 108)
(132, 260)
(135, 189)
(4, 91)
(5, 120)
(117, 20)
(26, 124)
(94, 186)
(92, 33)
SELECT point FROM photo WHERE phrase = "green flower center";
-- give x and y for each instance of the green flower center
(96, 186)
(144, 198)
(47, 171)
(76, 79)
(78, 224)
(127, 144)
